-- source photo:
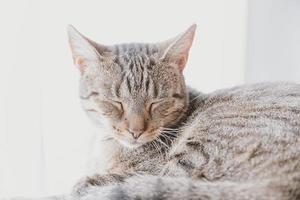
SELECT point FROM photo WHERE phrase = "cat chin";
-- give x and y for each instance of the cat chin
(130, 145)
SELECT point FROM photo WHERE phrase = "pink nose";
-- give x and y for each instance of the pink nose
(136, 124)
(136, 133)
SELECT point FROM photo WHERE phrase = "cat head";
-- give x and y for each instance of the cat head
(132, 90)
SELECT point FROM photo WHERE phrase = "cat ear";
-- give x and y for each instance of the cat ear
(176, 50)
(86, 53)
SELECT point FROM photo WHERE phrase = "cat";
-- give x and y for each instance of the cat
(160, 139)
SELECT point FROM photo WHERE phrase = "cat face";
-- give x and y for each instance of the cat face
(132, 90)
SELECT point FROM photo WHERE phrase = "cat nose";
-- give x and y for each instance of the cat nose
(136, 125)
(136, 133)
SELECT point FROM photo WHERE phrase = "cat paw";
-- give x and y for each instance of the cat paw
(82, 186)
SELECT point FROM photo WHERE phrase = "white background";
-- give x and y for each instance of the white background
(43, 132)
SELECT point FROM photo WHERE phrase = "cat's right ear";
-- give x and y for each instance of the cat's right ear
(85, 52)
(176, 50)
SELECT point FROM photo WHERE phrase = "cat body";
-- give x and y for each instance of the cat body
(248, 134)
(162, 140)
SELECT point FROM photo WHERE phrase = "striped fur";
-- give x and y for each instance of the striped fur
(238, 143)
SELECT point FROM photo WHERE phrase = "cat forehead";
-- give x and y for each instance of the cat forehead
(134, 48)
(135, 61)
(139, 75)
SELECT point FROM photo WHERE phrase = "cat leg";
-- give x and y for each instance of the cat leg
(81, 188)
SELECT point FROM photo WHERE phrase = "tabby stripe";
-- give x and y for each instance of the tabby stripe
(128, 84)
(121, 83)
(117, 90)
(138, 66)
(151, 63)
(142, 63)
(155, 90)
(147, 84)
(131, 66)
(142, 60)
(147, 50)
(154, 50)
(118, 62)
(142, 78)
(141, 47)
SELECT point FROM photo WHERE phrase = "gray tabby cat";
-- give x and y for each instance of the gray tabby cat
(162, 140)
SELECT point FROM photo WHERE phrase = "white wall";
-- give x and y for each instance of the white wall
(20, 100)
(273, 52)
(44, 133)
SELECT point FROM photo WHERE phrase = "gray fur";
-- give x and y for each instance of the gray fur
(238, 143)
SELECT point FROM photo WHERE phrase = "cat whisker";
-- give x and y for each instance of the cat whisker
(159, 140)
(175, 131)
(170, 133)
(168, 127)
(158, 148)
(169, 130)
(106, 138)
(166, 135)
(195, 98)
(168, 139)
(172, 129)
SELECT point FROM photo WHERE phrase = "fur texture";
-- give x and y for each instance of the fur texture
(168, 141)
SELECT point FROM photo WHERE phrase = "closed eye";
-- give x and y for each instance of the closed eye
(118, 104)
(110, 108)
(94, 94)
(91, 110)
(165, 107)
(153, 104)
(177, 96)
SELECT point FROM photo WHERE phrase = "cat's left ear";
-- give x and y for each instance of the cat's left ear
(176, 50)
(86, 53)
